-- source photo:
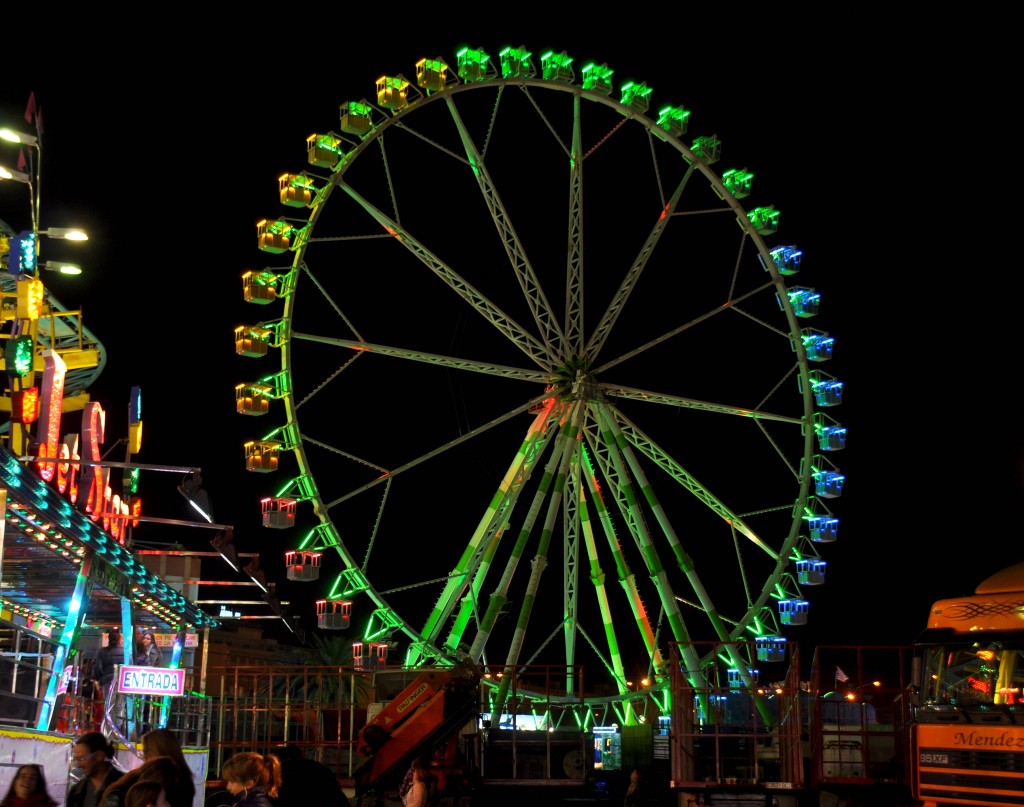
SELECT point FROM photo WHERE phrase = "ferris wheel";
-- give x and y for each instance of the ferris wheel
(548, 392)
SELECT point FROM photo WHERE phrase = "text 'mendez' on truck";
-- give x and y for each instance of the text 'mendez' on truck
(968, 733)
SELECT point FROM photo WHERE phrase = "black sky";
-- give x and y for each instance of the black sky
(169, 155)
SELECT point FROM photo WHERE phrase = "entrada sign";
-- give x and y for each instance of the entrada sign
(150, 681)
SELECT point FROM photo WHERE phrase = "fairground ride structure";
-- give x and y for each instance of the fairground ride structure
(525, 328)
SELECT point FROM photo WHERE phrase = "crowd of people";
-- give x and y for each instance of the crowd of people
(164, 779)
(284, 778)
(146, 652)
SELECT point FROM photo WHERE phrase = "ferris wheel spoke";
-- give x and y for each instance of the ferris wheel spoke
(526, 407)
(683, 559)
(504, 324)
(630, 393)
(540, 308)
(329, 298)
(574, 270)
(587, 484)
(472, 568)
(571, 558)
(615, 308)
(727, 306)
(633, 489)
(404, 126)
(307, 438)
(605, 445)
(498, 602)
(325, 383)
(550, 490)
(635, 437)
(627, 580)
(565, 148)
(451, 362)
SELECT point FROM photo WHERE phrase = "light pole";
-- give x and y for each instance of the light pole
(854, 694)
(32, 161)
(22, 286)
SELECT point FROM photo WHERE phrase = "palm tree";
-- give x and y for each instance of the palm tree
(347, 684)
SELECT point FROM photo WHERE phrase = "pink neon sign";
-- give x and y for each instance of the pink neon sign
(150, 681)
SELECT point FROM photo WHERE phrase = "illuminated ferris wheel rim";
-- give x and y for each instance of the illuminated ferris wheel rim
(395, 118)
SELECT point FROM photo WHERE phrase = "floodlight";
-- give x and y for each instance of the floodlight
(195, 494)
(17, 176)
(259, 577)
(68, 233)
(63, 267)
(223, 543)
(12, 136)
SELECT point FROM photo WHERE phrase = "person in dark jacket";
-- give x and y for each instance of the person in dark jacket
(108, 657)
(93, 755)
(148, 653)
(106, 660)
(305, 781)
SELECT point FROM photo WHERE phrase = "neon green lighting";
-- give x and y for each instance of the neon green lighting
(598, 77)
(130, 480)
(472, 64)
(18, 356)
(352, 582)
(370, 633)
(327, 536)
(674, 119)
(764, 219)
(357, 108)
(557, 66)
(636, 95)
(515, 63)
(306, 487)
(355, 118)
(387, 620)
(326, 141)
(707, 148)
(738, 181)
(278, 227)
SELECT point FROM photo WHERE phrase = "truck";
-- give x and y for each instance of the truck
(968, 717)
(946, 726)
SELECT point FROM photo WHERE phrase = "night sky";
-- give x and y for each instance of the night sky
(169, 154)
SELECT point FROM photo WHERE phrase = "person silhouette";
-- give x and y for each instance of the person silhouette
(304, 781)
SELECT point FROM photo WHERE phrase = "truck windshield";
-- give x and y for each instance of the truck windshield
(974, 673)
